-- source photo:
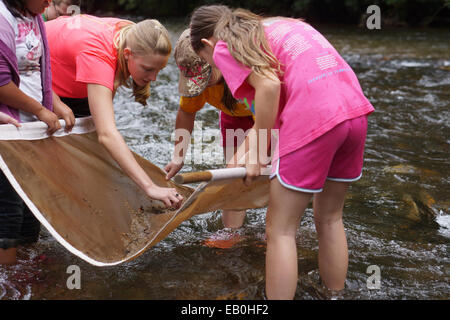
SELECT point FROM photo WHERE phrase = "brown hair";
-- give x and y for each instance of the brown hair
(148, 36)
(16, 7)
(242, 31)
(227, 98)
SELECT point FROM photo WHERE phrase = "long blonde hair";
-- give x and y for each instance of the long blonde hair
(243, 32)
(145, 37)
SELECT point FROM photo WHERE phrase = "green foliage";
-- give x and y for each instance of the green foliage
(301, 5)
(411, 12)
(417, 12)
(129, 4)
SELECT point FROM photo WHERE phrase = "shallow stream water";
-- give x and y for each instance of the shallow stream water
(396, 217)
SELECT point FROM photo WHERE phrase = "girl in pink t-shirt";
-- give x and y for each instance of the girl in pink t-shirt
(91, 57)
(297, 83)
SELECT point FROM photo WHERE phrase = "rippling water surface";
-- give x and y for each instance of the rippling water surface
(396, 217)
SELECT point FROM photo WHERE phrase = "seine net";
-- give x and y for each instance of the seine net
(83, 198)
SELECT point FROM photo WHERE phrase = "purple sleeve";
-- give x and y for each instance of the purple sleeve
(234, 73)
(5, 71)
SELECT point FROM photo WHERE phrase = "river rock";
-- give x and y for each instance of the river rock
(421, 208)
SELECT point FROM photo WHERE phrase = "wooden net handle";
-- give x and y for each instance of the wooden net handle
(193, 177)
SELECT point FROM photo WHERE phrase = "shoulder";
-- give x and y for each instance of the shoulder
(7, 34)
(215, 91)
(234, 72)
(223, 57)
(197, 100)
(221, 51)
(7, 41)
(193, 104)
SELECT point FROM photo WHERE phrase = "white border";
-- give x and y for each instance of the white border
(345, 180)
(37, 130)
(284, 184)
(42, 219)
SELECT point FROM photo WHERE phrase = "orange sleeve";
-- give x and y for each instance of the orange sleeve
(214, 96)
(192, 104)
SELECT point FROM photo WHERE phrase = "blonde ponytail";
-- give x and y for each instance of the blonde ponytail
(145, 37)
(243, 32)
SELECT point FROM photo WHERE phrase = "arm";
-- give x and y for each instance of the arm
(101, 106)
(267, 97)
(12, 96)
(5, 119)
(63, 112)
(183, 130)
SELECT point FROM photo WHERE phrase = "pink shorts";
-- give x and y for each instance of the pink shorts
(337, 155)
(235, 123)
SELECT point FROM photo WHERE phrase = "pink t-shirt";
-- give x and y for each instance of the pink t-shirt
(319, 90)
(82, 51)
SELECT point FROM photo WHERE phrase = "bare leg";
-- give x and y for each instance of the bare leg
(8, 256)
(233, 219)
(283, 217)
(333, 251)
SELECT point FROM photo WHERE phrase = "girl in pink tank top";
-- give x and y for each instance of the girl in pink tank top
(297, 83)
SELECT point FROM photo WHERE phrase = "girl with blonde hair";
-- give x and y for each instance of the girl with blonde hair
(300, 85)
(91, 57)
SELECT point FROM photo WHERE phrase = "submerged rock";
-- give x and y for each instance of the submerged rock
(421, 208)
(410, 169)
